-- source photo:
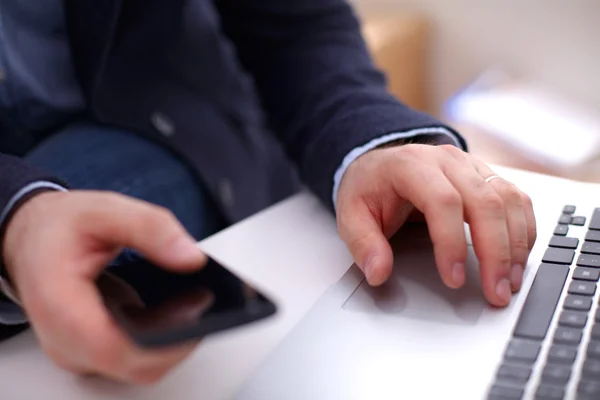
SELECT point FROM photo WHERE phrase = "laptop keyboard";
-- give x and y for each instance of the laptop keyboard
(545, 360)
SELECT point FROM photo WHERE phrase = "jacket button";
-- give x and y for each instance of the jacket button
(163, 124)
(226, 193)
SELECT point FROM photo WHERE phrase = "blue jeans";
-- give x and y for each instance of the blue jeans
(89, 156)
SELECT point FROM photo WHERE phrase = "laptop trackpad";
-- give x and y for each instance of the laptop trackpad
(415, 289)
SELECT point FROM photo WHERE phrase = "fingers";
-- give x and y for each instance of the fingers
(58, 264)
(517, 224)
(148, 367)
(364, 237)
(531, 222)
(151, 230)
(448, 187)
(96, 346)
(485, 210)
(442, 206)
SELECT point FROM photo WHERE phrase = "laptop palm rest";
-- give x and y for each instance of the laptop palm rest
(415, 289)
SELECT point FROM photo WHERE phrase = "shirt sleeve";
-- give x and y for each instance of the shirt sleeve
(10, 311)
(440, 135)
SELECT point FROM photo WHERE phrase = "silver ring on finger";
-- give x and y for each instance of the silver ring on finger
(491, 178)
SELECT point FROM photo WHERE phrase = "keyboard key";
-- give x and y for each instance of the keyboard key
(569, 209)
(585, 260)
(579, 303)
(588, 390)
(522, 351)
(564, 219)
(582, 288)
(514, 373)
(541, 301)
(592, 236)
(596, 331)
(561, 230)
(556, 374)
(595, 221)
(564, 242)
(505, 393)
(598, 315)
(590, 247)
(591, 370)
(562, 355)
(558, 256)
(547, 392)
(573, 319)
(586, 274)
(578, 221)
(593, 351)
(568, 335)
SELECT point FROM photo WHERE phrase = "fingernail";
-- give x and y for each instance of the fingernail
(516, 276)
(503, 290)
(458, 274)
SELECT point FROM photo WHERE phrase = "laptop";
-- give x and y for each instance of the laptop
(413, 338)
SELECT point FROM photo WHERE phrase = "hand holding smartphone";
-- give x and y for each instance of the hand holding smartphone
(158, 308)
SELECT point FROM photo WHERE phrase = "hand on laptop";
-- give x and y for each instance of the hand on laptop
(382, 188)
(54, 248)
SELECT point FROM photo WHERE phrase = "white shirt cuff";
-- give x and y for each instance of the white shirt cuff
(443, 136)
(11, 314)
(24, 192)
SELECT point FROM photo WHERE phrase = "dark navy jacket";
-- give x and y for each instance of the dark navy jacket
(251, 93)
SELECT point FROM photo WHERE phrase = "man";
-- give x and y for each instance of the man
(212, 110)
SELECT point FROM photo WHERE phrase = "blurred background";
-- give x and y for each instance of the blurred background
(519, 78)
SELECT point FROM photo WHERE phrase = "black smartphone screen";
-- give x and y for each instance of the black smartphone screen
(161, 308)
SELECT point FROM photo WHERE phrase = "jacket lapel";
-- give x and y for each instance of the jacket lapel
(91, 26)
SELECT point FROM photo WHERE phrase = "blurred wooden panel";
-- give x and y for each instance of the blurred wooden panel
(399, 45)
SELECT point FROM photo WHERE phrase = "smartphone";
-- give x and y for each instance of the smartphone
(159, 308)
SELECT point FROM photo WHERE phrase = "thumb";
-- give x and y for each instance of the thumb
(370, 249)
(151, 230)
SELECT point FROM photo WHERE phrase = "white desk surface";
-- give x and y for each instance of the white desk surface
(291, 250)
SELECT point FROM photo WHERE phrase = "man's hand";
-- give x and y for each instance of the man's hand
(56, 245)
(382, 188)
